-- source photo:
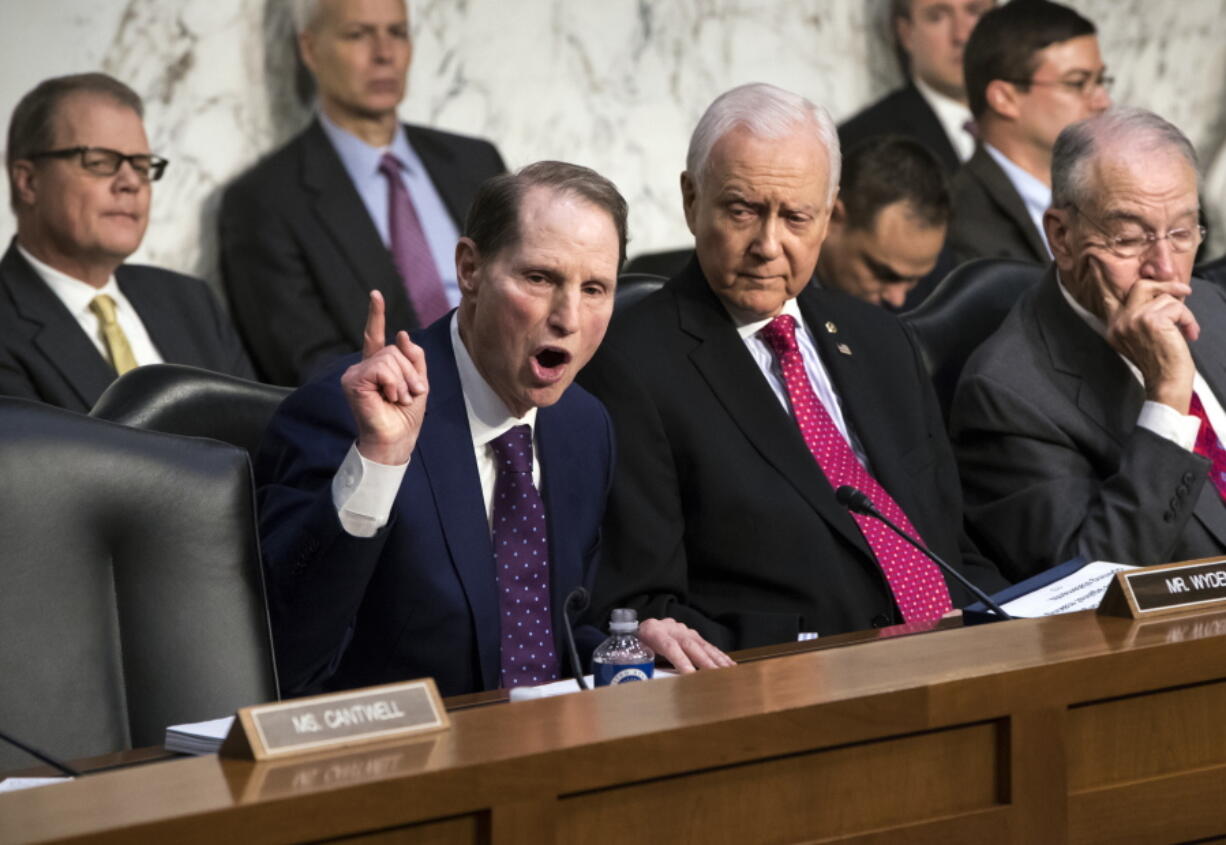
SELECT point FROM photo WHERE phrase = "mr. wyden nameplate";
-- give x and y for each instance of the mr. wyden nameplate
(336, 720)
(1166, 589)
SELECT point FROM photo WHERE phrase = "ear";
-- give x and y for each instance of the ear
(306, 50)
(1057, 227)
(1003, 98)
(689, 199)
(838, 215)
(903, 30)
(24, 178)
(467, 265)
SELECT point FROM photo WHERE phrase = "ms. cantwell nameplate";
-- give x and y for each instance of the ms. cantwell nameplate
(1169, 588)
(338, 719)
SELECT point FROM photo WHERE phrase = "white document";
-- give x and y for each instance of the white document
(1083, 590)
(198, 737)
(14, 784)
(568, 685)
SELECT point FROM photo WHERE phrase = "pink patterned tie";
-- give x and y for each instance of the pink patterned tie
(410, 250)
(1208, 445)
(917, 584)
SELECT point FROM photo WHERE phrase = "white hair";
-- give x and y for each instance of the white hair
(767, 112)
(1141, 131)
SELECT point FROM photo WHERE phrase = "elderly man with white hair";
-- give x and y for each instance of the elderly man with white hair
(743, 397)
(1091, 423)
(358, 201)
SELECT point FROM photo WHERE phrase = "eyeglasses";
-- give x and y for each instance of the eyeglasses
(1083, 87)
(103, 162)
(1135, 241)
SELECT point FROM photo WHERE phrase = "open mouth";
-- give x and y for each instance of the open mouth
(550, 362)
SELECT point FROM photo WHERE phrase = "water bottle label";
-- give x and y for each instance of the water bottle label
(607, 674)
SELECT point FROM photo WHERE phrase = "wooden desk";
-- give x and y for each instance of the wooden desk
(1070, 729)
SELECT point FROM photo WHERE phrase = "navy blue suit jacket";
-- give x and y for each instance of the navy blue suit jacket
(420, 597)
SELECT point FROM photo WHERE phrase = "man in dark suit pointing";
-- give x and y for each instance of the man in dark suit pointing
(743, 396)
(356, 202)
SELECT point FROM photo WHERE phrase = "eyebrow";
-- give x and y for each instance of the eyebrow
(884, 272)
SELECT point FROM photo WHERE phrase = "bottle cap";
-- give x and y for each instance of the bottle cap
(624, 620)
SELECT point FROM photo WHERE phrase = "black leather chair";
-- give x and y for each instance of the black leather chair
(632, 287)
(964, 309)
(178, 399)
(131, 593)
(667, 264)
(1214, 271)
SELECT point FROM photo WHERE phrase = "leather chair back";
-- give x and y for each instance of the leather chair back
(178, 399)
(962, 312)
(131, 591)
(632, 287)
(667, 264)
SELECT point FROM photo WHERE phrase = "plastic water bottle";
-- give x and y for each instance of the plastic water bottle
(622, 657)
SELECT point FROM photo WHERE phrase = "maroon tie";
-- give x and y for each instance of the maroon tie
(521, 554)
(1208, 445)
(919, 590)
(410, 250)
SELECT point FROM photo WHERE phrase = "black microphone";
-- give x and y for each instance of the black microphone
(46, 758)
(857, 502)
(576, 603)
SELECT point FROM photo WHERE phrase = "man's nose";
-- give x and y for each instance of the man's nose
(766, 243)
(564, 315)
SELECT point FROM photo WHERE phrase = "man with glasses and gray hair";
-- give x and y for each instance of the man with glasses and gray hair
(73, 316)
(1032, 67)
(1090, 423)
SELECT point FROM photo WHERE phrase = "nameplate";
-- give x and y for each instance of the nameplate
(336, 720)
(1168, 588)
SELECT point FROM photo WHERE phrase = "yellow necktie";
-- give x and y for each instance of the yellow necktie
(116, 341)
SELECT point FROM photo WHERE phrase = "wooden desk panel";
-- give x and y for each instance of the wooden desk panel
(1075, 729)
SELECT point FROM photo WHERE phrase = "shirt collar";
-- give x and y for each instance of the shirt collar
(361, 160)
(952, 114)
(488, 415)
(1033, 192)
(748, 330)
(74, 293)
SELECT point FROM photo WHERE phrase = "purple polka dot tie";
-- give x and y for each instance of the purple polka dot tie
(919, 590)
(521, 553)
(1209, 446)
(410, 250)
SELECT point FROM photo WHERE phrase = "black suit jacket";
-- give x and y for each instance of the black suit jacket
(902, 112)
(990, 219)
(719, 515)
(300, 254)
(45, 355)
(1052, 459)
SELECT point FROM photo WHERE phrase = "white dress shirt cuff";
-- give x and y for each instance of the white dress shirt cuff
(1165, 421)
(364, 492)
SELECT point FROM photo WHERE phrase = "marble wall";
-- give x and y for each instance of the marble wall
(614, 84)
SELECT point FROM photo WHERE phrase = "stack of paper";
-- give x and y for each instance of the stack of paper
(198, 737)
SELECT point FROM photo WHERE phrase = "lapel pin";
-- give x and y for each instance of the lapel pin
(831, 327)
(844, 348)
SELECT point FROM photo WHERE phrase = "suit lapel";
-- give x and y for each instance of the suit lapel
(445, 450)
(341, 212)
(561, 489)
(440, 164)
(928, 128)
(1209, 352)
(725, 364)
(55, 332)
(1002, 192)
(171, 343)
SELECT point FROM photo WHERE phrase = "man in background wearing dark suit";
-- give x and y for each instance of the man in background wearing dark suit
(1091, 423)
(931, 108)
(1032, 68)
(72, 315)
(402, 541)
(743, 396)
(356, 202)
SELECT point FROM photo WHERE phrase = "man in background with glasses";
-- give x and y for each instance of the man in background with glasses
(1032, 67)
(1091, 422)
(72, 316)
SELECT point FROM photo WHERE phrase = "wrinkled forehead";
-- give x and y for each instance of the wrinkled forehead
(1125, 178)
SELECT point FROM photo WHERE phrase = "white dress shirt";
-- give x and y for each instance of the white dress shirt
(1162, 420)
(361, 162)
(954, 117)
(364, 492)
(1035, 195)
(77, 295)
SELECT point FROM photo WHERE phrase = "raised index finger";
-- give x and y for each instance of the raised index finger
(374, 336)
